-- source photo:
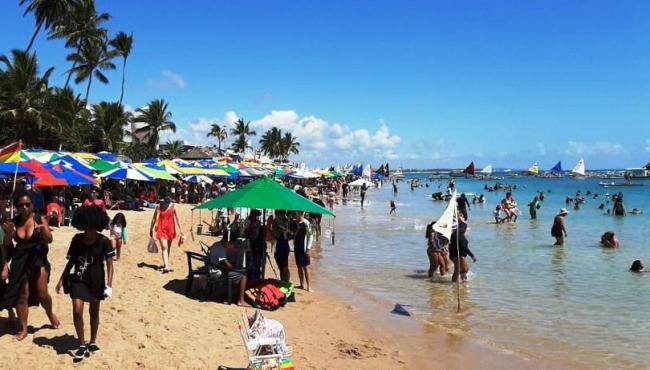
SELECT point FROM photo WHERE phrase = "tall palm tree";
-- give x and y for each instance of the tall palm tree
(91, 60)
(69, 122)
(173, 148)
(122, 44)
(288, 145)
(219, 132)
(110, 120)
(80, 27)
(241, 130)
(47, 13)
(270, 142)
(155, 118)
(23, 95)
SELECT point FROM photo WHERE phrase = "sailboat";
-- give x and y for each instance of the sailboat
(555, 171)
(579, 170)
(469, 170)
(557, 168)
(487, 170)
(534, 169)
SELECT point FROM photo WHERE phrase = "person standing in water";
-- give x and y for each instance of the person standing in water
(463, 205)
(558, 230)
(533, 207)
(393, 208)
(458, 245)
(363, 193)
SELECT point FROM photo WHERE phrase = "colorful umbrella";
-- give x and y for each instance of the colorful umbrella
(126, 173)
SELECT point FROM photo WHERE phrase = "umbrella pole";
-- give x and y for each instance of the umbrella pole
(458, 275)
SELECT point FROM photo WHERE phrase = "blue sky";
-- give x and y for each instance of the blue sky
(415, 83)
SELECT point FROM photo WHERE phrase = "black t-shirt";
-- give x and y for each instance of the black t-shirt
(463, 246)
(88, 261)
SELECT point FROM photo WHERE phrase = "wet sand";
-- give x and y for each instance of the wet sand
(150, 323)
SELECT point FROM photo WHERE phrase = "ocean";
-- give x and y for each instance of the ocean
(578, 302)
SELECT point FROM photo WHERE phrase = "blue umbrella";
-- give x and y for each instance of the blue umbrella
(10, 168)
(107, 156)
(71, 162)
(126, 173)
(71, 176)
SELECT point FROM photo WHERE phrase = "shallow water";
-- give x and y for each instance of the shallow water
(577, 302)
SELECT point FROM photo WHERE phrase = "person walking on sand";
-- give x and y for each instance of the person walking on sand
(558, 230)
(301, 246)
(91, 254)
(393, 207)
(118, 233)
(30, 268)
(164, 222)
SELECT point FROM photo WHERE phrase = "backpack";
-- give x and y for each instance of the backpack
(266, 294)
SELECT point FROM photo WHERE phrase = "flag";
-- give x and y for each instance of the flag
(446, 222)
(11, 153)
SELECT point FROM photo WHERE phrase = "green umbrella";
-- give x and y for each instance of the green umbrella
(104, 166)
(265, 193)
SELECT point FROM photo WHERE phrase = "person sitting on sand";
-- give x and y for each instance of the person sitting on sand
(637, 266)
(608, 240)
(558, 231)
(458, 245)
(90, 283)
(219, 257)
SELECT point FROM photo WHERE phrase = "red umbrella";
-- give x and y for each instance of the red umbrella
(43, 177)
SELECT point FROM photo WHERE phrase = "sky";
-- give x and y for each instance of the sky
(418, 84)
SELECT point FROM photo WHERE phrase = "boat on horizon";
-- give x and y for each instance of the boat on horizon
(578, 171)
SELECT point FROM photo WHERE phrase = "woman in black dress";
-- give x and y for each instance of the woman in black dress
(30, 269)
(90, 282)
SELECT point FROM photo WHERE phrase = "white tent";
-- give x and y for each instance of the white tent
(360, 182)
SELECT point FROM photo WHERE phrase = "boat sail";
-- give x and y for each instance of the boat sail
(487, 170)
(469, 170)
(579, 169)
(557, 168)
(534, 169)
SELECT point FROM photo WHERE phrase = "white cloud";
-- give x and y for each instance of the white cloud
(201, 125)
(167, 80)
(579, 148)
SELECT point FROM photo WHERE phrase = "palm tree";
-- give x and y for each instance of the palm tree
(110, 120)
(155, 118)
(122, 44)
(289, 145)
(91, 59)
(47, 13)
(173, 148)
(219, 132)
(242, 130)
(23, 96)
(69, 122)
(270, 142)
(80, 27)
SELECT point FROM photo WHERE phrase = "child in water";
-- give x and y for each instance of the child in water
(118, 233)
(393, 208)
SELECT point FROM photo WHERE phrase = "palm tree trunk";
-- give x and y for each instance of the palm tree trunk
(67, 80)
(31, 42)
(90, 80)
(123, 76)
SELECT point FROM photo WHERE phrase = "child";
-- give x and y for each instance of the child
(393, 208)
(497, 214)
(118, 233)
(90, 283)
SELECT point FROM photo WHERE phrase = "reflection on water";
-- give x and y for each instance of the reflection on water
(578, 301)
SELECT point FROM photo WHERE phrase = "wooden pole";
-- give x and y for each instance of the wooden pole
(13, 189)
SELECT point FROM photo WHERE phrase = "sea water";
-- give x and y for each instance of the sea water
(577, 302)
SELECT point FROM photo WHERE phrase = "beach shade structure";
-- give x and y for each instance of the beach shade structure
(103, 166)
(302, 174)
(265, 193)
(360, 182)
(9, 169)
(70, 176)
(71, 162)
(195, 179)
(107, 156)
(85, 156)
(157, 173)
(126, 173)
(42, 176)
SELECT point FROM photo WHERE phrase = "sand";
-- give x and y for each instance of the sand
(150, 323)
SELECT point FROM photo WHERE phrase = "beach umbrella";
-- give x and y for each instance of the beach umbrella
(86, 156)
(107, 156)
(43, 176)
(78, 165)
(71, 176)
(157, 173)
(265, 193)
(126, 173)
(104, 166)
(197, 179)
(10, 168)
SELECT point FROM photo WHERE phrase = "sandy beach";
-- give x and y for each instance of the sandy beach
(150, 323)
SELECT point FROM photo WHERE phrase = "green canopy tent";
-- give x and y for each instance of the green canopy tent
(265, 193)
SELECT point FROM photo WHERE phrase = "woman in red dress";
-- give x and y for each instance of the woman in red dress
(165, 220)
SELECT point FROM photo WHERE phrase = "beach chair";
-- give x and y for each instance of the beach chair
(216, 276)
(265, 342)
(192, 272)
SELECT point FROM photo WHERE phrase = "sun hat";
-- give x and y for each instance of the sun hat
(564, 211)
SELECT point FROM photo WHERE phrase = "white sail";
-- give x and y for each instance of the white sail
(579, 169)
(487, 170)
(446, 222)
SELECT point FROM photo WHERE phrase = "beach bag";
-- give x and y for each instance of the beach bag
(152, 247)
(266, 295)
